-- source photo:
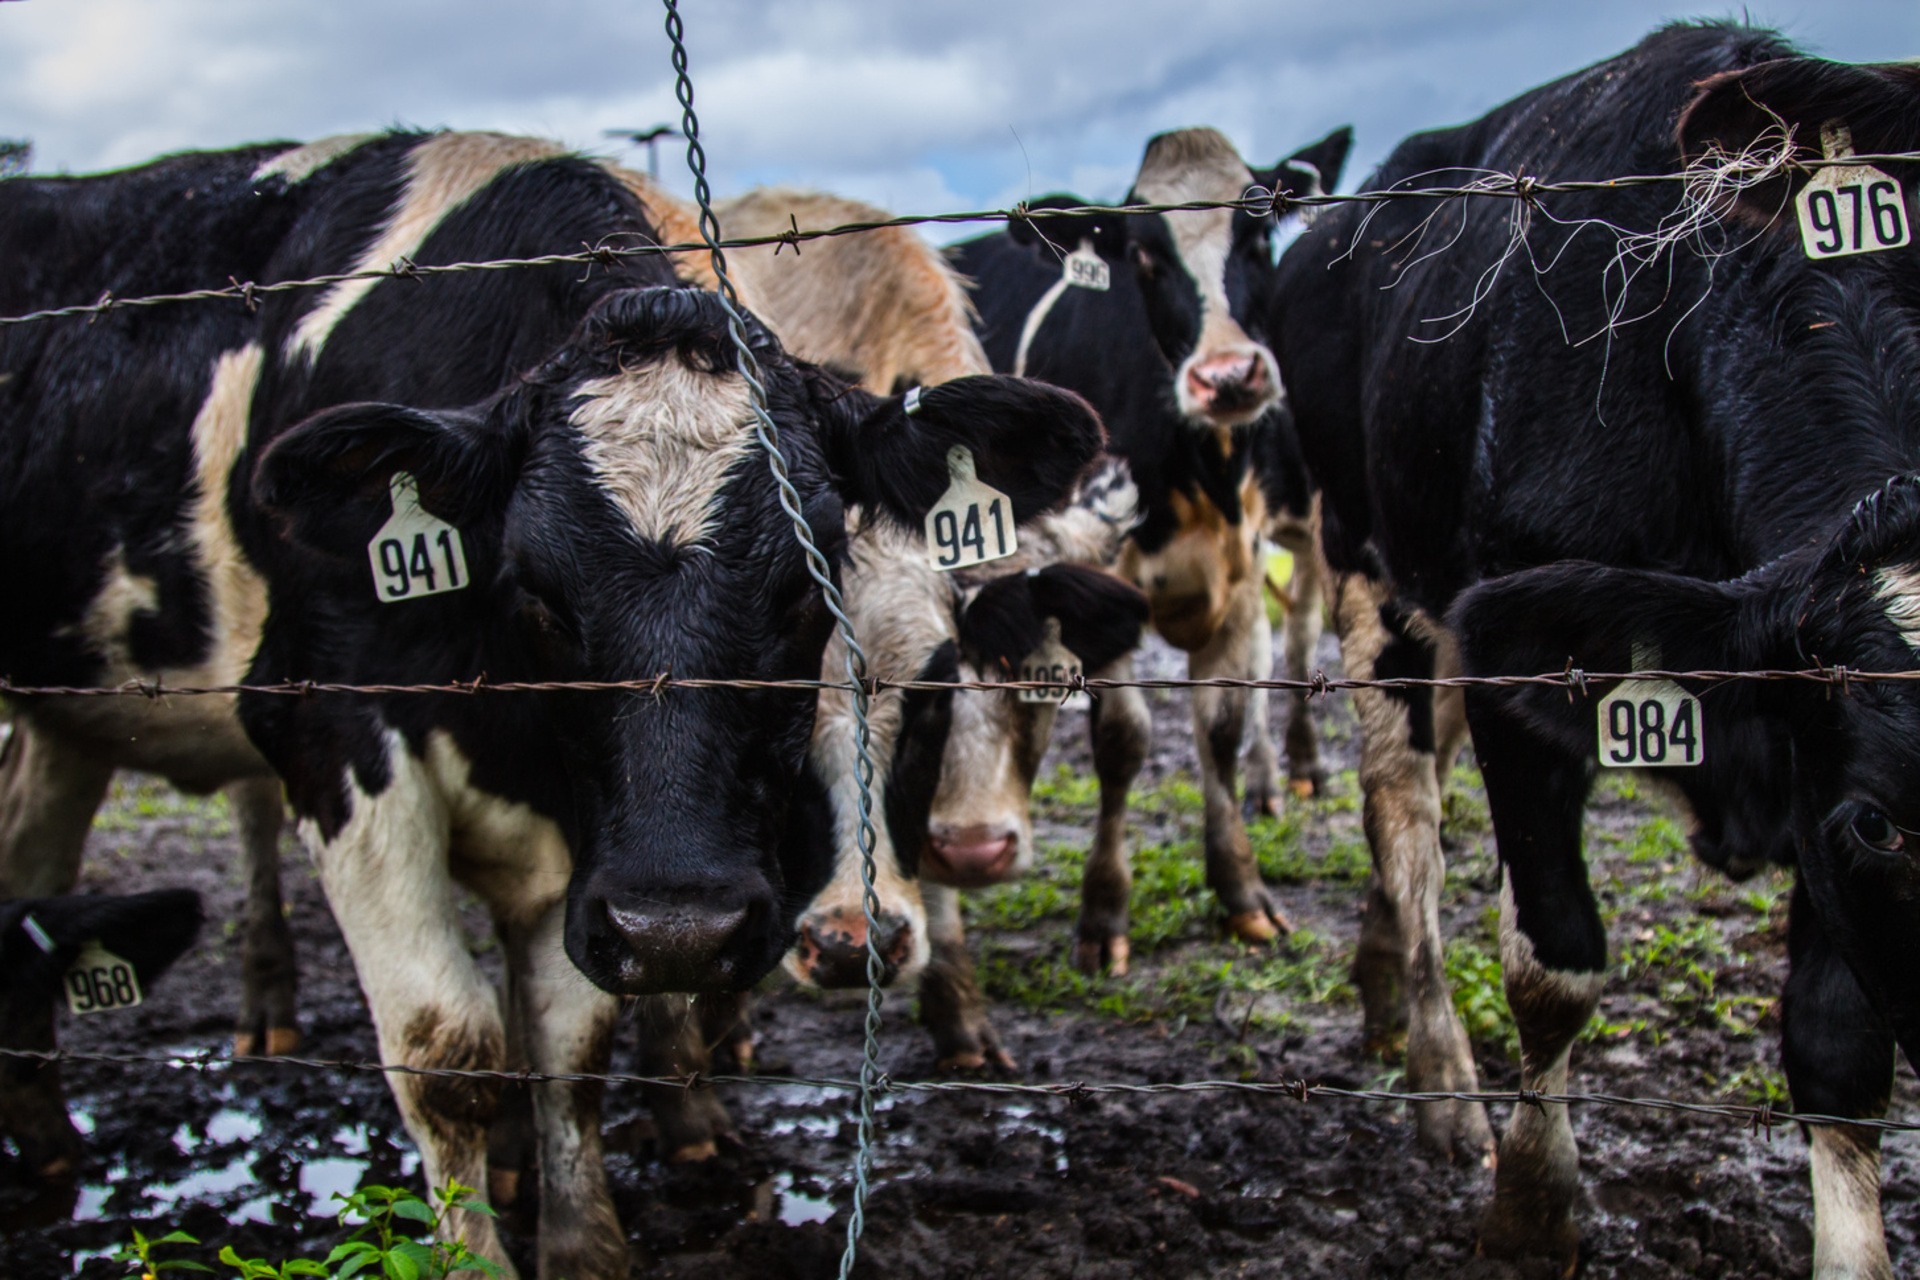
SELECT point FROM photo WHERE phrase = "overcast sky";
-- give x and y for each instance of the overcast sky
(919, 105)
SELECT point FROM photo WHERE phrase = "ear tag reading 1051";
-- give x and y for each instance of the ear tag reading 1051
(1650, 724)
(1053, 662)
(1848, 209)
(415, 553)
(1086, 269)
(973, 521)
(100, 981)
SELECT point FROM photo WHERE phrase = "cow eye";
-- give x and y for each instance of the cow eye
(1876, 830)
(1143, 261)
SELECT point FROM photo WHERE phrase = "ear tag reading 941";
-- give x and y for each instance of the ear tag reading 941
(1650, 724)
(1086, 269)
(100, 981)
(1848, 209)
(415, 553)
(973, 521)
(1052, 661)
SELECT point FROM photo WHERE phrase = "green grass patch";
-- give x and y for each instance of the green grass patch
(139, 800)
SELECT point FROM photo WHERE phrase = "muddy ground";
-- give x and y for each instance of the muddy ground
(1206, 1185)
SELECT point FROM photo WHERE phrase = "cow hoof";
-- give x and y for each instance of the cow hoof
(245, 1043)
(282, 1041)
(694, 1152)
(503, 1188)
(1262, 925)
(1457, 1130)
(734, 1058)
(1503, 1239)
(58, 1169)
(1303, 788)
(991, 1058)
(1261, 802)
(1104, 955)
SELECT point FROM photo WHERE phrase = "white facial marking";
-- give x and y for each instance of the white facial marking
(297, 164)
(443, 173)
(1898, 589)
(661, 440)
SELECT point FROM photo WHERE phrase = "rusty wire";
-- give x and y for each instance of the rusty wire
(1758, 1118)
(1259, 201)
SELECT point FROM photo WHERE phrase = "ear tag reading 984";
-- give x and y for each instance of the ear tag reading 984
(1848, 209)
(973, 521)
(415, 553)
(1052, 661)
(1650, 724)
(99, 981)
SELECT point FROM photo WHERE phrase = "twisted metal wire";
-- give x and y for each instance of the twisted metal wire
(856, 663)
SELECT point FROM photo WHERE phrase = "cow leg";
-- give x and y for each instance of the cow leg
(33, 1106)
(1121, 729)
(49, 790)
(387, 879)
(1553, 953)
(689, 1120)
(1839, 1058)
(951, 1006)
(1300, 640)
(727, 1030)
(1219, 719)
(269, 975)
(569, 1026)
(1401, 813)
(1262, 797)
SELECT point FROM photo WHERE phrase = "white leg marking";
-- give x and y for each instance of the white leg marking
(1849, 1242)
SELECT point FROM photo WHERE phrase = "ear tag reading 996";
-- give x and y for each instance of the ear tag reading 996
(1650, 724)
(1085, 269)
(415, 553)
(973, 521)
(1848, 209)
(99, 981)
(1052, 661)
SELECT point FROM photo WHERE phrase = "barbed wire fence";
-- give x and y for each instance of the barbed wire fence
(1707, 187)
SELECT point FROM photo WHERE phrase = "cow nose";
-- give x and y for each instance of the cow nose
(1227, 381)
(833, 951)
(970, 857)
(686, 942)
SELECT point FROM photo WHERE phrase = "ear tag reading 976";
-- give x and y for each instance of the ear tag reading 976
(1848, 209)
(1053, 662)
(973, 521)
(415, 553)
(99, 981)
(1650, 724)
(1085, 269)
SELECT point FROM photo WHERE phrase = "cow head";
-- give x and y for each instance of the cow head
(620, 522)
(1828, 778)
(1204, 275)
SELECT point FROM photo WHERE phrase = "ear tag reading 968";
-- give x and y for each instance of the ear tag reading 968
(1053, 662)
(99, 981)
(415, 553)
(1650, 724)
(1847, 209)
(973, 521)
(1085, 269)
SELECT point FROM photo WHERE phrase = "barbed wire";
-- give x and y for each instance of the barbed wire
(1259, 201)
(1574, 680)
(1756, 1116)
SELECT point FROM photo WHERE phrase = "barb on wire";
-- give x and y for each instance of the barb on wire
(1757, 1118)
(1258, 201)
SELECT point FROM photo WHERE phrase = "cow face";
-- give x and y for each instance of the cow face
(1848, 762)
(1204, 275)
(620, 522)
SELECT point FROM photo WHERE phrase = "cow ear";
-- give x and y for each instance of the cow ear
(1313, 170)
(1100, 616)
(327, 479)
(1761, 108)
(1028, 440)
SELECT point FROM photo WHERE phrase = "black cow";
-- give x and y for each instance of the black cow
(1172, 354)
(581, 439)
(40, 940)
(1694, 454)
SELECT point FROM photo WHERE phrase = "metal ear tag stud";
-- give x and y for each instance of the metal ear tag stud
(973, 521)
(910, 405)
(416, 553)
(1848, 209)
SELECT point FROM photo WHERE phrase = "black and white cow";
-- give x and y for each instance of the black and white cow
(40, 941)
(1172, 353)
(585, 439)
(1728, 481)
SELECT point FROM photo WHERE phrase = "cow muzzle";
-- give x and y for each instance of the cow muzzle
(707, 938)
(1229, 388)
(971, 857)
(832, 949)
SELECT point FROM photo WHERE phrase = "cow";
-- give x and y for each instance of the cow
(1189, 406)
(1689, 447)
(41, 942)
(571, 453)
